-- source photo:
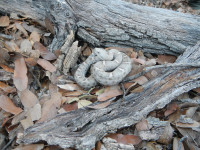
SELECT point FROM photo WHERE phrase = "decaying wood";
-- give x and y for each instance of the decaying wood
(116, 23)
(83, 127)
(69, 54)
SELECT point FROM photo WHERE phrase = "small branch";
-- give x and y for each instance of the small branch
(180, 141)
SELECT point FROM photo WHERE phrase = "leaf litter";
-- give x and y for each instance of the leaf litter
(24, 103)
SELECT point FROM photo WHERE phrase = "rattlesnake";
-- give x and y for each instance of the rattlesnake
(107, 68)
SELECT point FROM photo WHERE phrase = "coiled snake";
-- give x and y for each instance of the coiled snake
(107, 68)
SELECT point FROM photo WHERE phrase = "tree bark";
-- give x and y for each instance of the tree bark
(116, 23)
(83, 127)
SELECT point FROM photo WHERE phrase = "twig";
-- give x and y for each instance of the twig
(180, 141)
(124, 91)
(194, 101)
(6, 146)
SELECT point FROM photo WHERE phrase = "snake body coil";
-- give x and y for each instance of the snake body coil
(107, 68)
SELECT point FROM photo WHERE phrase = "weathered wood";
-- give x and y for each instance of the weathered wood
(113, 23)
(83, 127)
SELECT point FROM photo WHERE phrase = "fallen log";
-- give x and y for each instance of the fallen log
(84, 127)
(116, 23)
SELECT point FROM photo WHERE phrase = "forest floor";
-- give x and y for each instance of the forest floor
(31, 91)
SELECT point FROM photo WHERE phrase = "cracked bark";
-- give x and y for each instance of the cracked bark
(114, 23)
(83, 127)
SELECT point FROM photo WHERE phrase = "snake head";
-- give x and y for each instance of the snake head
(102, 54)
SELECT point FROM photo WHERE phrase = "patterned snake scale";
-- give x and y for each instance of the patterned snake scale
(107, 68)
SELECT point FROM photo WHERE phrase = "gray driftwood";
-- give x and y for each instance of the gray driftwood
(82, 128)
(113, 23)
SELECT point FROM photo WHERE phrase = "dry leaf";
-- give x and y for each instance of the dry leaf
(88, 97)
(70, 107)
(191, 111)
(69, 87)
(143, 125)
(171, 108)
(197, 90)
(17, 118)
(48, 111)
(25, 46)
(21, 28)
(7, 88)
(138, 89)
(35, 112)
(35, 37)
(150, 62)
(11, 46)
(28, 99)
(163, 59)
(153, 146)
(113, 92)
(125, 139)
(7, 105)
(100, 106)
(4, 21)
(139, 61)
(26, 49)
(31, 61)
(167, 135)
(87, 52)
(27, 122)
(72, 93)
(30, 147)
(49, 25)
(44, 52)
(49, 108)
(32, 28)
(46, 65)
(72, 99)
(83, 103)
(20, 77)
(134, 54)
(6, 68)
(56, 98)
